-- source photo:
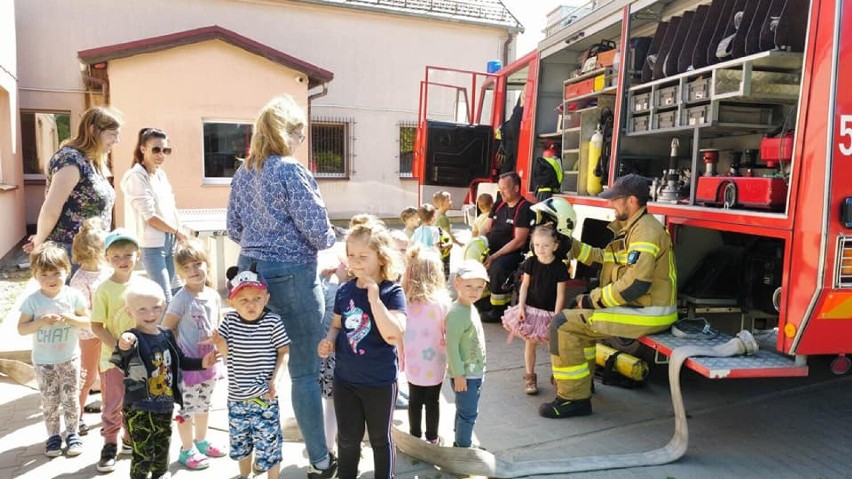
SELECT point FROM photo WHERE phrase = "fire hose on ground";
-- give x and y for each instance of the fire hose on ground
(483, 463)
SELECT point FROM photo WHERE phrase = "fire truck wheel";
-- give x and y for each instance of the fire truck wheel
(840, 365)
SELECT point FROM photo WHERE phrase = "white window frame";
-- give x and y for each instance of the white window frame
(217, 180)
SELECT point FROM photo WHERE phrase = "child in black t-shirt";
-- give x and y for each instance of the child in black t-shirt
(541, 296)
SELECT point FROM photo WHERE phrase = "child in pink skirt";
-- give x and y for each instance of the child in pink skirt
(541, 296)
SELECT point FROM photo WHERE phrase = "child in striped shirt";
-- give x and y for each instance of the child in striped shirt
(254, 343)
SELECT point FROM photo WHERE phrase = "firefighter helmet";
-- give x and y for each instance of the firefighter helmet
(558, 210)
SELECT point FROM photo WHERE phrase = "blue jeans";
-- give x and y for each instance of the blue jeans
(296, 296)
(467, 410)
(159, 263)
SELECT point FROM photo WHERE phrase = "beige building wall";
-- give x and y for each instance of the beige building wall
(173, 91)
(11, 166)
(378, 61)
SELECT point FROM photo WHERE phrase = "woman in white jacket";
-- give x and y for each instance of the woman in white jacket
(148, 190)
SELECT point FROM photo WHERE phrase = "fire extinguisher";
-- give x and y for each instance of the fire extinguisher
(593, 181)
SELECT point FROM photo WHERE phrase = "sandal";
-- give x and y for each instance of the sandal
(209, 449)
(193, 459)
(530, 386)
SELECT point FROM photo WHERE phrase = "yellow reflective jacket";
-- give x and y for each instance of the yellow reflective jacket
(638, 267)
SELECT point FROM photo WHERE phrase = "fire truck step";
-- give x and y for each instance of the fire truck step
(764, 364)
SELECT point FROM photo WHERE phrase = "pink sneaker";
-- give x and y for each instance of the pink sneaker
(209, 449)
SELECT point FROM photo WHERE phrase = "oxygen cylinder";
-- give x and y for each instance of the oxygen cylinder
(593, 182)
(625, 364)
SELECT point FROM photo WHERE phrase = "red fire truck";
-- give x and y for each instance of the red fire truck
(736, 109)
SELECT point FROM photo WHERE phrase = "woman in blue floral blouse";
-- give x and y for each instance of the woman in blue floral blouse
(276, 214)
(77, 186)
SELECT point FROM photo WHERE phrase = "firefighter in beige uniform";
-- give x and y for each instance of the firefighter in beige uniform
(636, 296)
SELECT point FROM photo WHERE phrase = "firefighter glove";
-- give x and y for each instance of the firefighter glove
(582, 301)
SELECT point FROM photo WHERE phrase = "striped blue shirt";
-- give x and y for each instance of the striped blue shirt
(252, 352)
(277, 214)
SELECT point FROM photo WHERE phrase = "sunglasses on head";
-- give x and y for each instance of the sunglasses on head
(157, 150)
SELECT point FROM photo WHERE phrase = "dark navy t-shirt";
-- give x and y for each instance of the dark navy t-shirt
(362, 357)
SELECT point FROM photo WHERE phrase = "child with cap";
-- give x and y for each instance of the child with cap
(109, 320)
(466, 348)
(254, 344)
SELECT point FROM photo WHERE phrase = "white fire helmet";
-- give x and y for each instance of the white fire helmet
(558, 210)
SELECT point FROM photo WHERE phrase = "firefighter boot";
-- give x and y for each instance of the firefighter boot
(495, 315)
(561, 408)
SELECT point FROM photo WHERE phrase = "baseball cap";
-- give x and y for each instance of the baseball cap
(119, 234)
(628, 185)
(472, 269)
(246, 279)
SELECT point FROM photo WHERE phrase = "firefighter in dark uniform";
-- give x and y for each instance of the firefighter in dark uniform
(508, 230)
(636, 296)
(547, 174)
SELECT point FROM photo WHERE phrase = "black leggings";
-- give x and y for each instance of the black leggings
(354, 407)
(419, 396)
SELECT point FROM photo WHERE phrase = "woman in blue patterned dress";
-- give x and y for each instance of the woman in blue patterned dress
(77, 187)
(276, 214)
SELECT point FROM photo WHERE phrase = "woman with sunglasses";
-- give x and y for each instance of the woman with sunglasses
(147, 189)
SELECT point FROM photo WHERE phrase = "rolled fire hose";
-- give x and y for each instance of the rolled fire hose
(627, 365)
(464, 461)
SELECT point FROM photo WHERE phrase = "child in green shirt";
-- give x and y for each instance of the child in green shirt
(466, 348)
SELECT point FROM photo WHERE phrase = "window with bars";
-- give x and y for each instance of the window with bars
(331, 147)
(224, 145)
(406, 148)
(41, 135)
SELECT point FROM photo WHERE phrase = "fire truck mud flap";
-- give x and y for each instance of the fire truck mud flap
(478, 462)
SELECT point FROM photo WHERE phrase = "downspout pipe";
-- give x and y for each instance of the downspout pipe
(311, 99)
(505, 56)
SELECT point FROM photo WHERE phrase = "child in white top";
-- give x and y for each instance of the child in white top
(53, 315)
(542, 295)
(87, 250)
(193, 315)
(425, 349)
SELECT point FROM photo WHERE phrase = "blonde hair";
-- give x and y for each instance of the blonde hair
(143, 288)
(275, 123)
(426, 213)
(93, 122)
(49, 256)
(440, 196)
(192, 251)
(378, 239)
(88, 243)
(408, 213)
(364, 219)
(423, 280)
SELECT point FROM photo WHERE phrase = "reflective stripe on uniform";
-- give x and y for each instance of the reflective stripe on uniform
(651, 316)
(673, 277)
(645, 247)
(500, 299)
(541, 190)
(569, 373)
(590, 353)
(585, 252)
(607, 297)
